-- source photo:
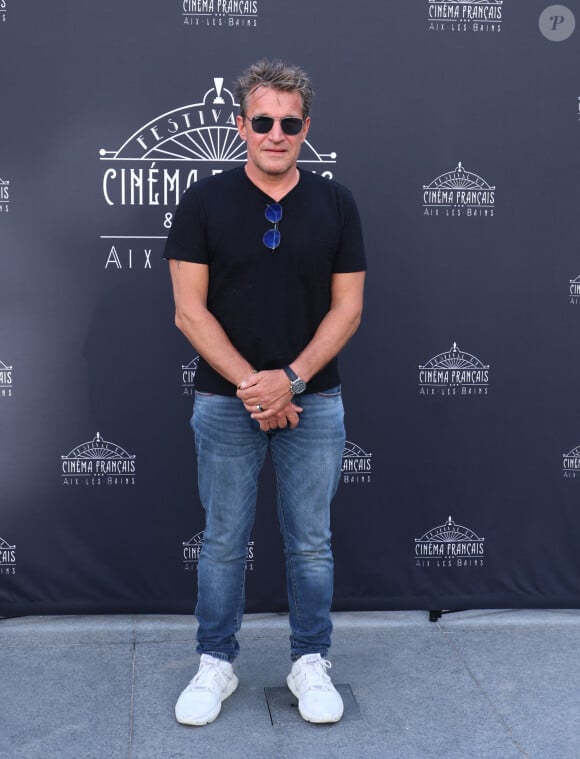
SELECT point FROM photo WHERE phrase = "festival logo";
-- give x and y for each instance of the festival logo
(7, 558)
(191, 550)
(458, 193)
(571, 464)
(4, 196)
(454, 373)
(574, 291)
(160, 160)
(5, 380)
(98, 462)
(220, 14)
(356, 465)
(557, 23)
(449, 545)
(188, 377)
(464, 15)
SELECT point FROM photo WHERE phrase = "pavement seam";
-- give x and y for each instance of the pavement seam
(132, 701)
(483, 692)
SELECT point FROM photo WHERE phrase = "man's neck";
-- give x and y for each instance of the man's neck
(276, 186)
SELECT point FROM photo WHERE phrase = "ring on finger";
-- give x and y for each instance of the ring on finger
(259, 407)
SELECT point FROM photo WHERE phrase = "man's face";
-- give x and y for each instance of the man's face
(274, 153)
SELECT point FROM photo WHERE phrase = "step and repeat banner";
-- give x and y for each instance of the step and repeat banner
(456, 124)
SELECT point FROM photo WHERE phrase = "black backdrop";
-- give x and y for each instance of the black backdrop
(457, 126)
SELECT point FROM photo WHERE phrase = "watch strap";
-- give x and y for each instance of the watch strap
(290, 373)
(297, 384)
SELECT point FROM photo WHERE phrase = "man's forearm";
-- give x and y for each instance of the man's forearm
(270, 389)
(333, 333)
(209, 339)
(337, 327)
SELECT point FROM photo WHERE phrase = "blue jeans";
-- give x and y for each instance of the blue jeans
(230, 451)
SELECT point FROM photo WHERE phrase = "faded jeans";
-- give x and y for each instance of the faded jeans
(231, 450)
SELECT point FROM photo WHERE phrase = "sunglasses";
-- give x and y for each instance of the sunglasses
(271, 238)
(289, 124)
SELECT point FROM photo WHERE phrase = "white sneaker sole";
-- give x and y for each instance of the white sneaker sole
(320, 719)
(210, 716)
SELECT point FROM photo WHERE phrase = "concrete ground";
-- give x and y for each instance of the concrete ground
(477, 684)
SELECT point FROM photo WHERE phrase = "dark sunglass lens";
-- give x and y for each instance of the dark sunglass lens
(273, 212)
(271, 238)
(262, 124)
(291, 125)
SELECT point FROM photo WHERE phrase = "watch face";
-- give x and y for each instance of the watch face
(298, 386)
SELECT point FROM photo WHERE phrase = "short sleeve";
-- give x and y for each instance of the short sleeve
(187, 239)
(351, 253)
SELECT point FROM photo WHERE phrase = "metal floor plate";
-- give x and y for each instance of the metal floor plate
(283, 706)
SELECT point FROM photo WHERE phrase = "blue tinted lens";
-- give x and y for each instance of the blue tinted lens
(271, 238)
(273, 212)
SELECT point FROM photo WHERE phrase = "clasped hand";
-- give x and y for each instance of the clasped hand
(269, 391)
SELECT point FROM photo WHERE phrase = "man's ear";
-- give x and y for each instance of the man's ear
(241, 125)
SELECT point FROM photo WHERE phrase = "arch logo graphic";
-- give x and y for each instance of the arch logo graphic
(458, 193)
(191, 550)
(4, 196)
(449, 545)
(464, 15)
(574, 291)
(7, 558)
(221, 14)
(160, 160)
(5, 380)
(454, 373)
(356, 465)
(571, 464)
(98, 462)
(188, 372)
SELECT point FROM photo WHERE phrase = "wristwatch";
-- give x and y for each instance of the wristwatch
(297, 385)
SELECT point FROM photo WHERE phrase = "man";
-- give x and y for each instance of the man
(267, 265)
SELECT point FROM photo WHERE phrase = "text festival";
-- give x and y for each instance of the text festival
(153, 186)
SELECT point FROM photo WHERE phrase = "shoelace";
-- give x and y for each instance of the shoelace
(315, 675)
(206, 677)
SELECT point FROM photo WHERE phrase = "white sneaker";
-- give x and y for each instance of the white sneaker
(201, 702)
(318, 699)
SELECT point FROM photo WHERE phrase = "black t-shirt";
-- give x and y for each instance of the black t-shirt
(269, 302)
